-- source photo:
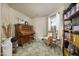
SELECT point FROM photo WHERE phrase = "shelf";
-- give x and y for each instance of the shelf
(67, 30)
(70, 6)
(68, 40)
(70, 36)
(76, 14)
(75, 32)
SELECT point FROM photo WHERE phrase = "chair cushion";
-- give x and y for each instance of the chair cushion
(46, 38)
(49, 34)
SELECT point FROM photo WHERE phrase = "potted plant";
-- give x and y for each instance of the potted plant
(6, 41)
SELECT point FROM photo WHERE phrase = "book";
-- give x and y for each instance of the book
(77, 7)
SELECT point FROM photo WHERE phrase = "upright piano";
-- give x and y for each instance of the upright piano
(24, 33)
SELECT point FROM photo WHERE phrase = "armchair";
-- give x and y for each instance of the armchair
(48, 39)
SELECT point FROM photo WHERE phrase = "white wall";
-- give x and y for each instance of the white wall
(10, 16)
(40, 26)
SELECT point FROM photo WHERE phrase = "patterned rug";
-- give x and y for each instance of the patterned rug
(38, 48)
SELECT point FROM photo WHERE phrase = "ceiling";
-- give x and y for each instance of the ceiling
(37, 9)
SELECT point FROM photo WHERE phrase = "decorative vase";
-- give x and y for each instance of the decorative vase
(6, 46)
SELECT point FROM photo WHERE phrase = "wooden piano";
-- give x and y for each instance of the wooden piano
(24, 33)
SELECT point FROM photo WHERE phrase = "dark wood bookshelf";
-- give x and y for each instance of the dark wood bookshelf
(68, 30)
(76, 14)
(70, 6)
(70, 18)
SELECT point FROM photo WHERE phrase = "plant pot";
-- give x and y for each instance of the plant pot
(6, 46)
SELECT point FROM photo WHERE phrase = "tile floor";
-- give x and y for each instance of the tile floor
(38, 48)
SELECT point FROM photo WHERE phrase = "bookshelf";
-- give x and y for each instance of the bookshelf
(71, 30)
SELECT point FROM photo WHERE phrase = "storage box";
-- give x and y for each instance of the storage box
(75, 28)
